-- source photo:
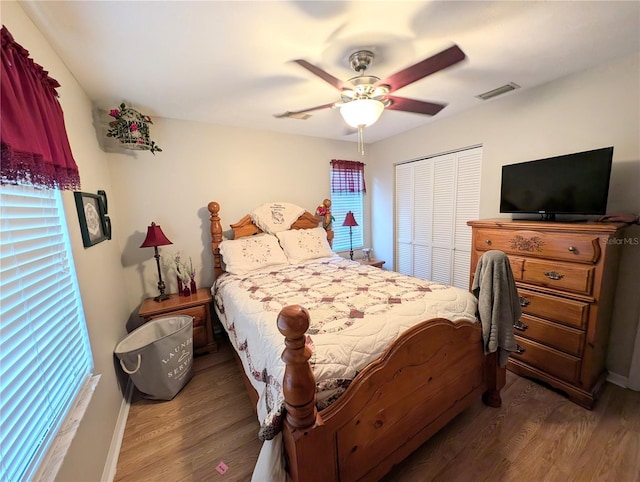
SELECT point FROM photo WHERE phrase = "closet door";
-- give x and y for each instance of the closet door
(404, 219)
(423, 177)
(435, 197)
(442, 220)
(467, 208)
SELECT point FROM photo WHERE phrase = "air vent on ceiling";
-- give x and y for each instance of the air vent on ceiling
(499, 91)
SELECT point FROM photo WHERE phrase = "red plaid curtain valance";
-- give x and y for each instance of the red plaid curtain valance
(34, 143)
(347, 176)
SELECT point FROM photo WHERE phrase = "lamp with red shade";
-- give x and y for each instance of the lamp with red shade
(155, 237)
(350, 221)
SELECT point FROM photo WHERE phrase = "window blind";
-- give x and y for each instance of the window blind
(341, 204)
(347, 189)
(45, 356)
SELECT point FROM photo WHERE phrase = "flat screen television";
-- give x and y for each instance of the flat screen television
(575, 183)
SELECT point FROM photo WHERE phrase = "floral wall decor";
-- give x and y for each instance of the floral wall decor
(131, 128)
(185, 273)
(327, 218)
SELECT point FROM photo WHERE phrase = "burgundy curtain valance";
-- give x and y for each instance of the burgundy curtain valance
(347, 176)
(35, 147)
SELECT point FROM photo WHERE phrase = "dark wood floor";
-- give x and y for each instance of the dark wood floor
(537, 435)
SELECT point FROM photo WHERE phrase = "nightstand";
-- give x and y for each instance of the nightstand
(197, 305)
(374, 262)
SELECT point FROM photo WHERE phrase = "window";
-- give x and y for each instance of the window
(341, 204)
(347, 194)
(45, 357)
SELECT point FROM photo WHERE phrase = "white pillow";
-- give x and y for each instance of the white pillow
(243, 255)
(303, 244)
(274, 217)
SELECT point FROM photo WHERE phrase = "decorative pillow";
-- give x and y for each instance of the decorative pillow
(244, 255)
(303, 244)
(274, 217)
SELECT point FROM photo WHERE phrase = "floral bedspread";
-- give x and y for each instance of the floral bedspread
(356, 311)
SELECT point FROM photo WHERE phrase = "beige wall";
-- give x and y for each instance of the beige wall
(239, 168)
(98, 268)
(593, 109)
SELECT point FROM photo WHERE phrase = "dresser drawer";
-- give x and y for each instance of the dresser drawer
(569, 340)
(199, 324)
(570, 312)
(199, 315)
(552, 361)
(564, 276)
(583, 248)
(517, 265)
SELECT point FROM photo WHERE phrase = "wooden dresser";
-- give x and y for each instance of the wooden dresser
(566, 276)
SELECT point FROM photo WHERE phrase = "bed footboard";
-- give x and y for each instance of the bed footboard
(298, 383)
(430, 374)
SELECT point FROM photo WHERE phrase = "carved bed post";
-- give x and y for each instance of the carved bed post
(216, 236)
(496, 379)
(298, 384)
(309, 458)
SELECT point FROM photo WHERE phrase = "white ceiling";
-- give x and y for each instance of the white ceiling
(229, 62)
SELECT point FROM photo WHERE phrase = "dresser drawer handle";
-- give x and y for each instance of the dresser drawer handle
(518, 325)
(553, 275)
(572, 249)
(487, 241)
(524, 301)
(519, 349)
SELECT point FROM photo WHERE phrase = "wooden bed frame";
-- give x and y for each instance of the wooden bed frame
(430, 374)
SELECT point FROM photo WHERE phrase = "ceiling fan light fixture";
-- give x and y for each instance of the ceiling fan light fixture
(364, 97)
(361, 112)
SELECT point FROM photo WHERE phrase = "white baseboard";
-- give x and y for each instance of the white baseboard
(618, 380)
(111, 465)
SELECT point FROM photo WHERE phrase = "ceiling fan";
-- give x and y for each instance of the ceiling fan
(364, 97)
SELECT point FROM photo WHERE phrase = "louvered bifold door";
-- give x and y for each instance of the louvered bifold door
(423, 189)
(435, 198)
(443, 211)
(467, 208)
(404, 219)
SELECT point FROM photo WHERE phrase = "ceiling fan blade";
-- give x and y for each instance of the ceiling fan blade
(412, 105)
(426, 67)
(327, 77)
(302, 114)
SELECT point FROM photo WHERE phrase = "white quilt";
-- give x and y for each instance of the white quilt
(356, 311)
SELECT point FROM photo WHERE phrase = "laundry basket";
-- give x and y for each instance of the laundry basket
(159, 356)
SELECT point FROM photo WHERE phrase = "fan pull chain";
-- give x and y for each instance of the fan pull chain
(361, 139)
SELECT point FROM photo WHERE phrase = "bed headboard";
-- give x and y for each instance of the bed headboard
(246, 227)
